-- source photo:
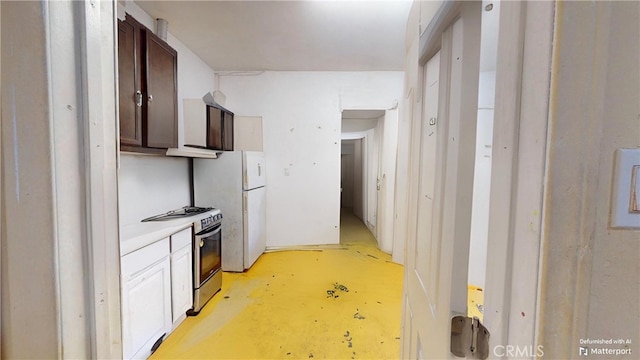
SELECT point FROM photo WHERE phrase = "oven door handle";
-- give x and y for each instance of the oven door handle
(216, 229)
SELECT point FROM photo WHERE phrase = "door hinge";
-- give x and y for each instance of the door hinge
(469, 338)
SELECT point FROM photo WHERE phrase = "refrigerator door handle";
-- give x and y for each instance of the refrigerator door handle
(259, 170)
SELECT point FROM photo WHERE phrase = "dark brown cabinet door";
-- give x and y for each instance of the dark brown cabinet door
(214, 128)
(160, 105)
(227, 131)
(129, 82)
(219, 129)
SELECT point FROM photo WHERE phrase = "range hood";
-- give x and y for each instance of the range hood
(195, 130)
(192, 152)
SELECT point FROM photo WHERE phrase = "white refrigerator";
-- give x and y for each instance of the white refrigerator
(235, 184)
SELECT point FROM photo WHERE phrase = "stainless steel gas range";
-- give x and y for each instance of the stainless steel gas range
(207, 250)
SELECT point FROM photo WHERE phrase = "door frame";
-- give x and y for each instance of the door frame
(512, 290)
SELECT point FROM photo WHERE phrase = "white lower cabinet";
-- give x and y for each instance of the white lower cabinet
(157, 291)
(146, 299)
(181, 275)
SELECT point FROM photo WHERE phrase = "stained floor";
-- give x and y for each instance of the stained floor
(330, 302)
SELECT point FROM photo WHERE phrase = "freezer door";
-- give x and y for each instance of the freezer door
(253, 166)
(255, 235)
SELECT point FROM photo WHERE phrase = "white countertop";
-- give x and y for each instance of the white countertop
(139, 235)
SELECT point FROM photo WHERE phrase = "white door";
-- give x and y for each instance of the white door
(255, 222)
(443, 148)
(253, 170)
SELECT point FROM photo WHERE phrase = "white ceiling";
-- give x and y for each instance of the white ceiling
(309, 35)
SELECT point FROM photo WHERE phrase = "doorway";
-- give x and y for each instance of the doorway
(359, 164)
(351, 178)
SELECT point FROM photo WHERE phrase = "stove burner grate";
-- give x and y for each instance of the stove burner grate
(178, 213)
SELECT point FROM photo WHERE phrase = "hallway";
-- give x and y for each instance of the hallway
(326, 302)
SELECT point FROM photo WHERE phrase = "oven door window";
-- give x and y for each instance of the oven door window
(210, 260)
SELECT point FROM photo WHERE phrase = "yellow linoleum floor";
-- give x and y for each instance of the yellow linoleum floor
(475, 302)
(331, 302)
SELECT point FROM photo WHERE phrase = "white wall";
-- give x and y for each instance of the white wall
(590, 287)
(302, 118)
(151, 185)
(27, 189)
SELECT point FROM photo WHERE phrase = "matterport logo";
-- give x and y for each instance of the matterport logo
(518, 351)
(611, 347)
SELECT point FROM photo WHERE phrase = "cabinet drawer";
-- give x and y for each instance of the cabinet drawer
(181, 239)
(141, 259)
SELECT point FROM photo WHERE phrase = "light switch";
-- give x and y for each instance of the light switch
(625, 204)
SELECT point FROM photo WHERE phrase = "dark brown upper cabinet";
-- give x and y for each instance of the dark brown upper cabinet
(147, 68)
(219, 128)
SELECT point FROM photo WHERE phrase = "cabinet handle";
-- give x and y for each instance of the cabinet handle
(259, 170)
(139, 98)
(150, 98)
